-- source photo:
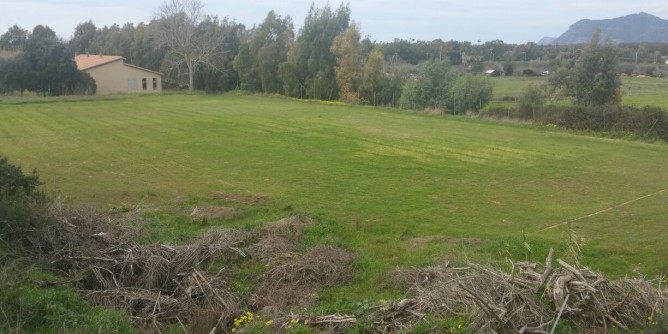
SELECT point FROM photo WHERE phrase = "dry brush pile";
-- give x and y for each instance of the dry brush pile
(160, 285)
(531, 299)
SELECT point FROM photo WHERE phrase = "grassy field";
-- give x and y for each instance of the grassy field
(636, 91)
(399, 188)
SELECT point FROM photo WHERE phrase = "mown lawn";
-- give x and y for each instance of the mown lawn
(399, 188)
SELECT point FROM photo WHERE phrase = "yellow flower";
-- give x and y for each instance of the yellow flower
(289, 327)
(294, 321)
(269, 323)
(234, 329)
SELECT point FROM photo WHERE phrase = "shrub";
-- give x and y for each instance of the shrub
(20, 203)
(529, 73)
(13, 181)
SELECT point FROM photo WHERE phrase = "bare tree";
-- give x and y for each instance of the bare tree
(189, 42)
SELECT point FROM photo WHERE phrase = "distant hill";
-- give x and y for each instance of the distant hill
(641, 27)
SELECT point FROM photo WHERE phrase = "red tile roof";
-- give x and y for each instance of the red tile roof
(85, 62)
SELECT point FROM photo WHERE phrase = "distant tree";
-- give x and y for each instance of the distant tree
(106, 41)
(471, 93)
(143, 52)
(84, 34)
(375, 82)
(188, 47)
(508, 68)
(593, 81)
(454, 53)
(52, 69)
(15, 74)
(14, 39)
(349, 69)
(259, 57)
(531, 99)
(477, 65)
(312, 61)
(224, 76)
(432, 88)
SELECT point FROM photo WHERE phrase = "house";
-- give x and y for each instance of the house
(113, 76)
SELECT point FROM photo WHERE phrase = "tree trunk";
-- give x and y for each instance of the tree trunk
(190, 76)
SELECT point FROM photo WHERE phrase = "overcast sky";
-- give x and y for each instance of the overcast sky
(513, 21)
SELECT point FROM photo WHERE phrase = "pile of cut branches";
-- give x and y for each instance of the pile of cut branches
(159, 285)
(155, 284)
(528, 300)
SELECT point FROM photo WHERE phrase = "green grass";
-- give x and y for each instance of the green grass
(645, 91)
(636, 91)
(513, 86)
(400, 189)
(26, 307)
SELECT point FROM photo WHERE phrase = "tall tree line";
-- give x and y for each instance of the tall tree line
(328, 58)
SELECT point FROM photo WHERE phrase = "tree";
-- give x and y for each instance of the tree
(375, 81)
(84, 34)
(14, 39)
(52, 70)
(346, 48)
(432, 87)
(258, 60)
(187, 45)
(15, 74)
(532, 99)
(593, 81)
(508, 68)
(471, 93)
(311, 58)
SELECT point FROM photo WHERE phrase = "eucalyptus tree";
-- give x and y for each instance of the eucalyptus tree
(84, 33)
(259, 58)
(310, 69)
(14, 39)
(349, 63)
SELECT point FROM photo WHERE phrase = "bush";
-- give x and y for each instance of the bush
(21, 204)
(532, 99)
(529, 73)
(13, 181)
(646, 122)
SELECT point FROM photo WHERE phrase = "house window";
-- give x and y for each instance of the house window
(132, 84)
(155, 83)
(143, 84)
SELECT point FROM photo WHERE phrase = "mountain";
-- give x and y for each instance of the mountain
(641, 27)
(546, 40)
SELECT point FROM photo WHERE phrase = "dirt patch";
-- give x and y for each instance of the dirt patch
(178, 200)
(244, 199)
(212, 212)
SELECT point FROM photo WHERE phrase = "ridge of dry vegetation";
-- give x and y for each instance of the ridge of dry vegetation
(159, 285)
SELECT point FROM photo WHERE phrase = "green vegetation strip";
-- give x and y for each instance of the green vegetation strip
(401, 189)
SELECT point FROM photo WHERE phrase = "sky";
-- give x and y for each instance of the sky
(513, 21)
